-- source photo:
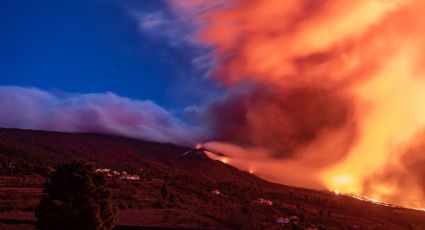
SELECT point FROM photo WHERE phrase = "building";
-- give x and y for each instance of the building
(263, 201)
(129, 177)
(282, 221)
(216, 192)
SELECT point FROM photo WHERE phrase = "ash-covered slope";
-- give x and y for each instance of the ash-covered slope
(199, 192)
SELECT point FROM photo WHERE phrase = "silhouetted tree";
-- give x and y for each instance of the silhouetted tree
(164, 191)
(76, 197)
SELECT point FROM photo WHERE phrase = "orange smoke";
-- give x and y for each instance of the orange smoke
(322, 94)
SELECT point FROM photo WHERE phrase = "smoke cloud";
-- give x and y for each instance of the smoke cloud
(31, 108)
(324, 94)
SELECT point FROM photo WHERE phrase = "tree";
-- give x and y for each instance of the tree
(76, 197)
(164, 192)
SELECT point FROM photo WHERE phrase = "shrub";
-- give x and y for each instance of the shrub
(76, 197)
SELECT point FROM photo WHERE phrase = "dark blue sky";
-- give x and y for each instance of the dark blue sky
(89, 46)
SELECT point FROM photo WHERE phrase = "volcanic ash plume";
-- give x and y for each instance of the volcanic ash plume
(324, 94)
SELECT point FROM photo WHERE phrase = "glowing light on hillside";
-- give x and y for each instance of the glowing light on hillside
(343, 183)
(224, 160)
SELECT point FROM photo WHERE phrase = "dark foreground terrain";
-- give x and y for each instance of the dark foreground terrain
(154, 185)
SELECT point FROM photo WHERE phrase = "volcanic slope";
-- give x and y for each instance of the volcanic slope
(177, 187)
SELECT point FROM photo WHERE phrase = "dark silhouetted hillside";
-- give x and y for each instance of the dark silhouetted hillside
(177, 191)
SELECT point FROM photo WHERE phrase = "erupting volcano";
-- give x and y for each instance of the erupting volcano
(216, 114)
(321, 94)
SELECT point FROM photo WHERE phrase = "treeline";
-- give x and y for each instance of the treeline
(15, 163)
(17, 166)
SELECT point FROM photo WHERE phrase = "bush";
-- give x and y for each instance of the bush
(76, 198)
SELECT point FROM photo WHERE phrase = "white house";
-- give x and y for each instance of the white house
(103, 170)
(282, 220)
(216, 192)
(129, 177)
(263, 201)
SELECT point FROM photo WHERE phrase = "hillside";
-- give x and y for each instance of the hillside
(175, 190)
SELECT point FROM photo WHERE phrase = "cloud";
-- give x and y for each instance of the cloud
(152, 21)
(177, 31)
(334, 86)
(31, 108)
(176, 26)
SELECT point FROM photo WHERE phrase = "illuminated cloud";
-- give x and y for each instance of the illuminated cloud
(31, 108)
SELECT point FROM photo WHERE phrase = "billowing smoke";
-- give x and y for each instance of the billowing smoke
(31, 108)
(325, 94)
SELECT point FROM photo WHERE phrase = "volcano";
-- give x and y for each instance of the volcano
(201, 192)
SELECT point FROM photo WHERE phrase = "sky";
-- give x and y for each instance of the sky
(314, 87)
(92, 46)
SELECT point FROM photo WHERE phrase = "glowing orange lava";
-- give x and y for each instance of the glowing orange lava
(224, 160)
